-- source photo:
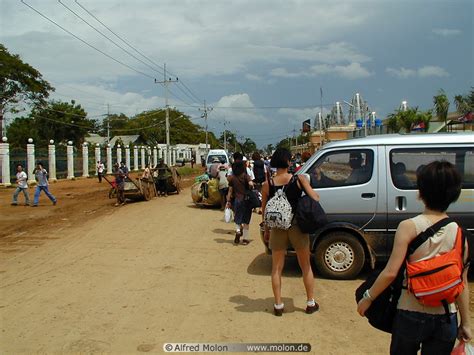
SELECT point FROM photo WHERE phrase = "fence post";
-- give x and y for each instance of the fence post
(52, 161)
(70, 160)
(119, 153)
(5, 159)
(85, 160)
(165, 152)
(135, 157)
(160, 153)
(143, 157)
(155, 156)
(127, 157)
(109, 159)
(30, 161)
(97, 157)
(173, 156)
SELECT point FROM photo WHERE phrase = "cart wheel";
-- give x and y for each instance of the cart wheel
(146, 193)
(151, 191)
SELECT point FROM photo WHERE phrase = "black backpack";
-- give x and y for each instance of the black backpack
(259, 171)
(310, 215)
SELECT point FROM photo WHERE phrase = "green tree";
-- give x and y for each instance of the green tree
(441, 106)
(248, 146)
(268, 149)
(393, 123)
(407, 119)
(464, 104)
(284, 143)
(19, 82)
(231, 139)
(61, 121)
(19, 130)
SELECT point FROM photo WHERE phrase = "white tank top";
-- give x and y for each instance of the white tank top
(440, 243)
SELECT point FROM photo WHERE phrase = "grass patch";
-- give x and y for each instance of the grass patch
(187, 171)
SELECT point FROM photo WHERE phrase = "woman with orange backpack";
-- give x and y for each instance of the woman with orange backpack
(435, 281)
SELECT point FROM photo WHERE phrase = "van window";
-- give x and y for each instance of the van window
(342, 168)
(404, 164)
(221, 157)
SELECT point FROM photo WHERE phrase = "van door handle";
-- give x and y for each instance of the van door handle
(401, 203)
(368, 195)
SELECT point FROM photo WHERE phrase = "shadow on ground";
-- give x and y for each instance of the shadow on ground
(262, 266)
(265, 305)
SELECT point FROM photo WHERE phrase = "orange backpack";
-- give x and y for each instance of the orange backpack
(437, 281)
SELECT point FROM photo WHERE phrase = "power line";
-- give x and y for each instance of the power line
(136, 50)
(108, 38)
(86, 43)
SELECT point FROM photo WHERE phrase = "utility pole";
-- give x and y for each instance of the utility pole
(205, 110)
(108, 123)
(165, 83)
(225, 135)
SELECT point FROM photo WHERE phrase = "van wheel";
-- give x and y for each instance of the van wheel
(339, 256)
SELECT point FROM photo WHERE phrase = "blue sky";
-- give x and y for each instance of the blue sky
(243, 55)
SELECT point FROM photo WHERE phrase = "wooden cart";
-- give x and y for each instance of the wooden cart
(172, 180)
(140, 189)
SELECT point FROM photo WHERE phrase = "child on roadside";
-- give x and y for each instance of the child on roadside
(21, 186)
(223, 185)
(42, 178)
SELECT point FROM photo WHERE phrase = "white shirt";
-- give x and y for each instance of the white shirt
(100, 168)
(22, 180)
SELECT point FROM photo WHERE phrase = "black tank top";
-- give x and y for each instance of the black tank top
(292, 191)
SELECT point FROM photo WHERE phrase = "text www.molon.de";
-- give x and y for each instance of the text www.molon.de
(234, 347)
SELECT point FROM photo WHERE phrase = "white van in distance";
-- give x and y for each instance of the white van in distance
(220, 154)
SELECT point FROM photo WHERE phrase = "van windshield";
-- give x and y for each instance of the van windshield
(221, 157)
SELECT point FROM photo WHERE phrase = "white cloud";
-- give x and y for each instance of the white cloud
(95, 99)
(423, 72)
(210, 33)
(402, 73)
(253, 77)
(432, 70)
(351, 71)
(283, 73)
(238, 109)
(446, 32)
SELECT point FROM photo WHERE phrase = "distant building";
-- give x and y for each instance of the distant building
(126, 140)
(94, 139)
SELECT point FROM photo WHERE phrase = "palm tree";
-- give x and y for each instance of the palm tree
(441, 106)
(462, 104)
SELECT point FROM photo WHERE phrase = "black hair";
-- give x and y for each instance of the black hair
(280, 158)
(256, 156)
(40, 163)
(439, 184)
(237, 157)
(17, 165)
(238, 168)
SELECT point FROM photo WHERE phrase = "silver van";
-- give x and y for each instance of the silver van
(368, 186)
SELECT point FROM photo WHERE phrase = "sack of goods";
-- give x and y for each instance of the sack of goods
(278, 211)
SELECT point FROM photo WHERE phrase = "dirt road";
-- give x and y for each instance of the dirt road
(163, 271)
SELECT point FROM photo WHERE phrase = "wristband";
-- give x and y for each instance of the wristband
(367, 295)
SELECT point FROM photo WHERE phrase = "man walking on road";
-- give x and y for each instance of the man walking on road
(42, 177)
(100, 170)
(22, 186)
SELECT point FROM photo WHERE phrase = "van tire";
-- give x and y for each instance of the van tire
(339, 256)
